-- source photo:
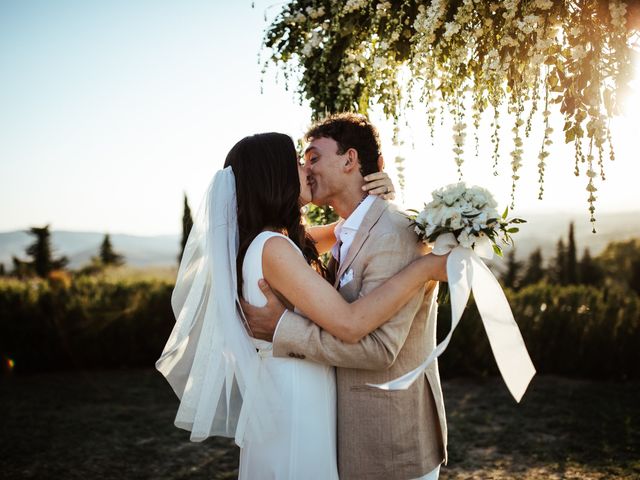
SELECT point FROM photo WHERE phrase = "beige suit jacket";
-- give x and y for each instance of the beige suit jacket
(390, 435)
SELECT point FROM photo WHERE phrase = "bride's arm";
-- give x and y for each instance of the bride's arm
(288, 273)
(377, 183)
(323, 236)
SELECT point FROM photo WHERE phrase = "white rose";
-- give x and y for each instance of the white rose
(465, 240)
(435, 216)
(480, 221)
(450, 197)
(479, 199)
(456, 220)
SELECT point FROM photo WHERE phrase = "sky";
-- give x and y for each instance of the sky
(111, 111)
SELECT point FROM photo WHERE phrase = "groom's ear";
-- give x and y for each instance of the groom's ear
(351, 160)
(380, 163)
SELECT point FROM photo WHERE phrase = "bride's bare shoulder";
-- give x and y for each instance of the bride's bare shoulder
(278, 248)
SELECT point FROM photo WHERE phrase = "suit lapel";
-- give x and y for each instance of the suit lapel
(370, 219)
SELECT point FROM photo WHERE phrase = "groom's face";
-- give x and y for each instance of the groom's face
(324, 169)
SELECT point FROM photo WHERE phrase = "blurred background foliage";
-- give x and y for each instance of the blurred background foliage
(579, 316)
(69, 322)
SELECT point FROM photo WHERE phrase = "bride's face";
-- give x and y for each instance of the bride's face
(305, 188)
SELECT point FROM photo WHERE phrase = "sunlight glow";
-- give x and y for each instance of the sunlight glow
(631, 101)
(429, 163)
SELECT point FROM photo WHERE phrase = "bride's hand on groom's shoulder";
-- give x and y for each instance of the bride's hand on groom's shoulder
(379, 183)
(263, 320)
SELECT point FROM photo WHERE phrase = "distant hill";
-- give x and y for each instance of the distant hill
(139, 251)
(544, 231)
(541, 230)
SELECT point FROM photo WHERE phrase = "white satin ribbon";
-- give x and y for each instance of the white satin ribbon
(467, 273)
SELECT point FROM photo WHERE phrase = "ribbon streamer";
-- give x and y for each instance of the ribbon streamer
(467, 273)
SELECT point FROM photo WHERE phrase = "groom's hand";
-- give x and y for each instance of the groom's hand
(263, 320)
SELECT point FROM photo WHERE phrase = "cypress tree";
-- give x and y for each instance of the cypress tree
(558, 268)
(511, 276)
(187, 224)
(589, 271)
(42, 262)
(108, 256)
(2, 270)
(534, 271)
(571, 258)
(618, 259)
(20, 268)
(634, 280)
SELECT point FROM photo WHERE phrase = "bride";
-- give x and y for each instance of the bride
(280, 411)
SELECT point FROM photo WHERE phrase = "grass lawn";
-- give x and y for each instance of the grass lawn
(119, 425)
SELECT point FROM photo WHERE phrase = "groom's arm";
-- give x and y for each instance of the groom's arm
(297, 336)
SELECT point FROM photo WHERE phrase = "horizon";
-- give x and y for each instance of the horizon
(571, 215)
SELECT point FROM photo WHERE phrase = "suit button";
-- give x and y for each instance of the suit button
(292, 355)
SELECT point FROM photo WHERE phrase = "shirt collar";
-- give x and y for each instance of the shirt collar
(353, 221)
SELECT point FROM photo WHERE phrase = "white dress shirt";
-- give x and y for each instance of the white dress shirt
(346, 230)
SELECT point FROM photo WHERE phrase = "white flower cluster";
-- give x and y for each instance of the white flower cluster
(618, 11)
(428, 20)
(350, 76)
(383, 9)
(459, 135)
(516, 153)
(315, 13)
(313, 41)
(467, 212)
(542, 4)
(486, 54)
(353, 5)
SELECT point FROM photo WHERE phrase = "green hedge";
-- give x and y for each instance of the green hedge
(95, 322)
(575, 330)
(92, 323)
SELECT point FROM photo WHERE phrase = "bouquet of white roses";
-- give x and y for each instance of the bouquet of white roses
(463, 222)
(469, 213)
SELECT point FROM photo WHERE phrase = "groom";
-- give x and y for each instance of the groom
(390, 435)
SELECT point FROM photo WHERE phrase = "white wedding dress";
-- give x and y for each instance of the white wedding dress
(304, 446)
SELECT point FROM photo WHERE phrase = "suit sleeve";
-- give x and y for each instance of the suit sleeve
(298, 335)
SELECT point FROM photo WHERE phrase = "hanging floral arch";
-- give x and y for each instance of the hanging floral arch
(463, 58)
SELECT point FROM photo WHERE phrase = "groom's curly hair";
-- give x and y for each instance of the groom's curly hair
(351, 130)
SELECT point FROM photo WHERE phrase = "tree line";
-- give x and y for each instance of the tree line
(618, 263)
(42, 262)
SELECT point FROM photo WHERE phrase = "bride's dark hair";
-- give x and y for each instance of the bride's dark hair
(268, 194)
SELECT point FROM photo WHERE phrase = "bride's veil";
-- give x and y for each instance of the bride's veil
(209, 359)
